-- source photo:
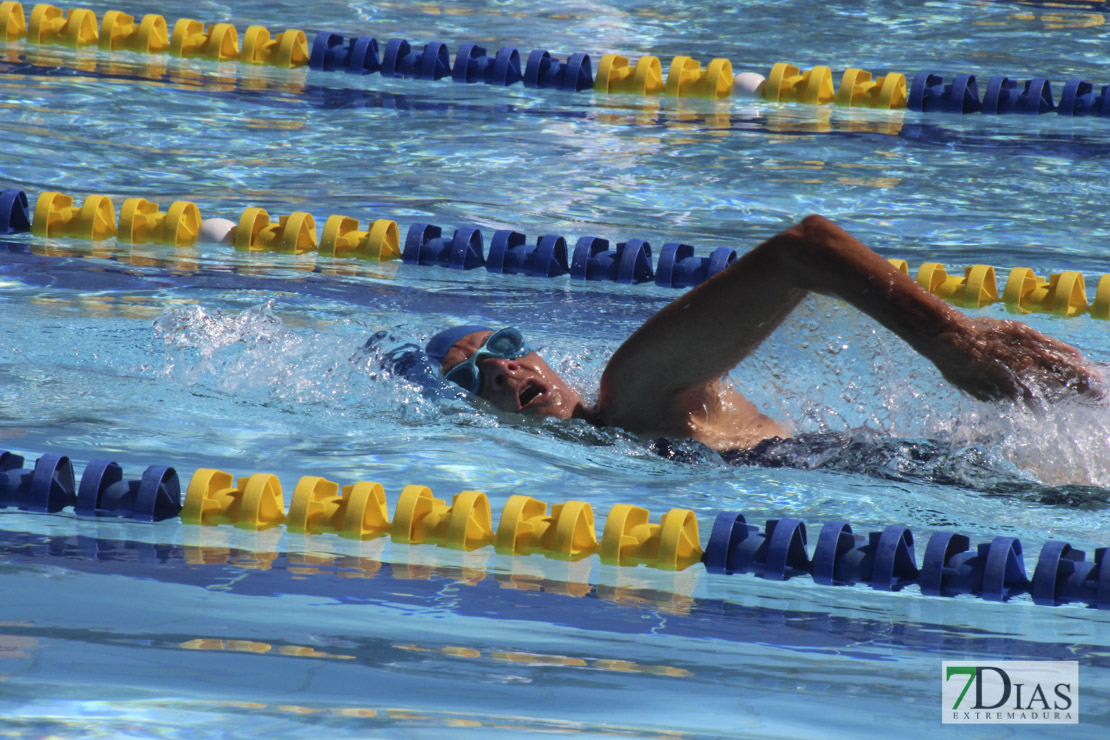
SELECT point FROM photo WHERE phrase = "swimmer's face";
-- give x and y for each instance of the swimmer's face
(525, 384)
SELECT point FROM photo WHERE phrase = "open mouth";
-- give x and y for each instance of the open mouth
(529, 394)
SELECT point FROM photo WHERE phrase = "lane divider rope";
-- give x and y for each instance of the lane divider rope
(616, 74)
(510, 252)
(885, 560)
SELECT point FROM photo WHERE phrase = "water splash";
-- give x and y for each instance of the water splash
(252, 354)
(847, 374)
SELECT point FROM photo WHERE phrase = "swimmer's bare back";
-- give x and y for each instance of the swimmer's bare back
(664, 380)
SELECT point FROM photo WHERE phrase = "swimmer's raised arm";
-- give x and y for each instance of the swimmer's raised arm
(700, 336)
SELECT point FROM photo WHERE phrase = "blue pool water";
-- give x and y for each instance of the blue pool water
(205, 357)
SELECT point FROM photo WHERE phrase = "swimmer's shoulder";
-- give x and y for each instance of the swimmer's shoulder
(715, 415)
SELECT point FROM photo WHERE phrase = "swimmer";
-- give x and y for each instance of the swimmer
(666, 379)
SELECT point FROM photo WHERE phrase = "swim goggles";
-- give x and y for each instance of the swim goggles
(505, 344)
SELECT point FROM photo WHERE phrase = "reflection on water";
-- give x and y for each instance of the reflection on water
(621, 601)
(359, 640)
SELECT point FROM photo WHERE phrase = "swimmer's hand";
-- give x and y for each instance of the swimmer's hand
(993, 359)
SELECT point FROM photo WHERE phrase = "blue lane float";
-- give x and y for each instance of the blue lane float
(1064, 575)
(509, 252)
(1003, 95)
(14, 214)
(778, 553)
(545, 71)
(994, 570)
(1080, 99)
(929, 94)
(104, 492)
(426, 245)
(885, 560)
(431, 63)
(628, 262)
(359, 56)
(472, 64)
(592, 259)
(679, 267)
(47, 487)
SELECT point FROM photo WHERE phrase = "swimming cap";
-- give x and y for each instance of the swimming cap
(438, 345)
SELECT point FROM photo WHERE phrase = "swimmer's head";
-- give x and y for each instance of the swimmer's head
(501, 368)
